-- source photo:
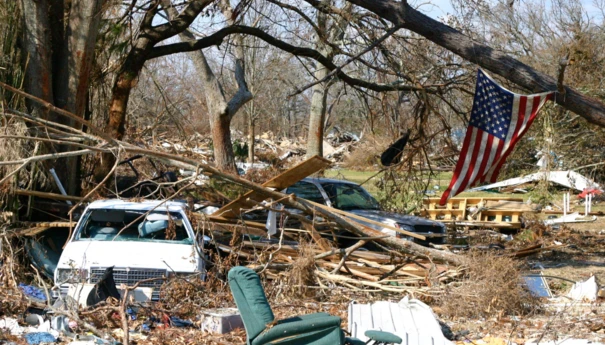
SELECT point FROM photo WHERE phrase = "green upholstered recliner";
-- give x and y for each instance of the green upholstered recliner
(312, 329)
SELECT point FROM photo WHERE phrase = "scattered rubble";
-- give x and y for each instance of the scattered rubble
(474, 286)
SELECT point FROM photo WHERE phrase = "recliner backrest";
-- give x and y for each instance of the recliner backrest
(251, 300)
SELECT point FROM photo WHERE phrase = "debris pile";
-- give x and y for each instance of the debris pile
(247, 223)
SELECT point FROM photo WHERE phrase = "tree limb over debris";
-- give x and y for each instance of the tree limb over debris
(288, 200)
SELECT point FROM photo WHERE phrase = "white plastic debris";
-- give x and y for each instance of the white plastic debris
(584, 290)
(271, 224)
(410, 319)
(11, 325)
(570, 218)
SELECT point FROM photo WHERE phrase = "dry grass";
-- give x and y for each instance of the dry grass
(491, 288)
(302, 275)
(12, 270)
(13, 149)
(184, 297)
(262, 175)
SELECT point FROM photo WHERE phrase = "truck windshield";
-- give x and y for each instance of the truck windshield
(346, 196)
(133, 225)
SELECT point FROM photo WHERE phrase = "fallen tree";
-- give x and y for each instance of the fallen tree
(100, 143)
(403, 15)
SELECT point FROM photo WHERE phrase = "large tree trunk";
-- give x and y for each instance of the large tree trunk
(120, 93)
(77, 57)
(317, 116)
(59, 63)
(74, 74)
(224, 158)
(148, 37)
(402, 14)
(216, 101)
(318, 113)
(38, 52)
(220, 111)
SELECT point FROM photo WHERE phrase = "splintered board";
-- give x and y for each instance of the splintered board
(279, 182)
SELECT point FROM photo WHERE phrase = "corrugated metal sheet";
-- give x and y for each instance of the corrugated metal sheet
(412, 320)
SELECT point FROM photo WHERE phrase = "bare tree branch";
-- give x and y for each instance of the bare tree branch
(487, 57)
(217, 38)
(351, 59)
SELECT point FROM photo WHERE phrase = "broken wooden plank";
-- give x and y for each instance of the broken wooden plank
(46, 195)
(279, 182)
(34, 228)
(483, 224)
(298, 172)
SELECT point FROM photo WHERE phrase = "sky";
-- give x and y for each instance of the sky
(438, 9)
(442, 7)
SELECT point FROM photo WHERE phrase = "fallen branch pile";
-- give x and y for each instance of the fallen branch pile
(303, 259)
(100, 142)
(351, 268)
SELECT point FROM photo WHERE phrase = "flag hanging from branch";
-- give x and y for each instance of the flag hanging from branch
(499, 119)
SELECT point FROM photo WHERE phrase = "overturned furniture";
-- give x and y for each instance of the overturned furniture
(496, 212)
(262, 328)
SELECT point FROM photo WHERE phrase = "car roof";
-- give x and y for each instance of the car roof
(118, 204)
(327, 180)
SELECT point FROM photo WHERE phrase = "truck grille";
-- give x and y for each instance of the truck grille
(131, 276)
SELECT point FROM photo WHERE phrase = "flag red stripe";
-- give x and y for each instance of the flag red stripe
(486, 175)
(459, 165)
(486, 154)
(471, 165)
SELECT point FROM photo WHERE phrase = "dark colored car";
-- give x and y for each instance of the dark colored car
(353, 198)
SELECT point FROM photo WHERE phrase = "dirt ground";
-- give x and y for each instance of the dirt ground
(581, 256)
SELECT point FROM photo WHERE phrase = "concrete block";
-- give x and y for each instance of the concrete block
(221, 321)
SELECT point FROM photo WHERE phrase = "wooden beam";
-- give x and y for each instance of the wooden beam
(46, 195)
(279, 182)
(34, 228)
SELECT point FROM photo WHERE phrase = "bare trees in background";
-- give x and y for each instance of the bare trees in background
(292, 67)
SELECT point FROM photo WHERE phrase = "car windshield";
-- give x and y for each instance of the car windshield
(346, 196)
(133, 225)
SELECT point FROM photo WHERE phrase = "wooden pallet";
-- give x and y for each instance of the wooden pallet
(491, 211)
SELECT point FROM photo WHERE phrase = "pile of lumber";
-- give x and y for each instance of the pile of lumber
(401, 266)
(351, 268)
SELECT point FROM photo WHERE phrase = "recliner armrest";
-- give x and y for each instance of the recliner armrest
(297, 326)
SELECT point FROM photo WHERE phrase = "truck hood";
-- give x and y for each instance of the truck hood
(85, 254)
(391, 218)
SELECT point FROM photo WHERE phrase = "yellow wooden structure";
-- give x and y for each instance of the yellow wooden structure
(494, 212)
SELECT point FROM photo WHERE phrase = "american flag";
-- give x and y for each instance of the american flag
(498, 121)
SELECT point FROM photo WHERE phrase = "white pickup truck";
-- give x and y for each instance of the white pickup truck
(141, 240)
